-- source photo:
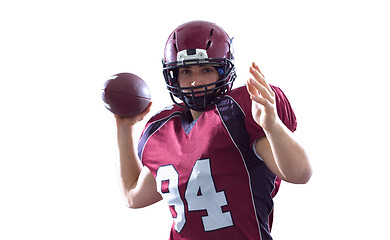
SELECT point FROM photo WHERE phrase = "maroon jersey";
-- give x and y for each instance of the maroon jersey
(207, 170)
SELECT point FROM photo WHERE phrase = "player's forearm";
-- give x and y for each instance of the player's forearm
(130, 166)
(290, 156)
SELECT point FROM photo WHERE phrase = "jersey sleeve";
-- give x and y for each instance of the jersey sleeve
(285, 111)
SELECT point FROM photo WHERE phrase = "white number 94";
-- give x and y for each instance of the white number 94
(200, 195)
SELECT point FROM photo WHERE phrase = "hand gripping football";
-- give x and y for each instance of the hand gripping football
(126, 94)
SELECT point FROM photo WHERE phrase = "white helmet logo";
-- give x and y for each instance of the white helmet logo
(192, 54)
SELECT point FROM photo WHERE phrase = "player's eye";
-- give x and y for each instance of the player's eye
(207, 70)
(185, 71)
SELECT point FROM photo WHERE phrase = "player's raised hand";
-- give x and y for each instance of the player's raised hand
(263, 99)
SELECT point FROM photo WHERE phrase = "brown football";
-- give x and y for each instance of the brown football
(126, 94)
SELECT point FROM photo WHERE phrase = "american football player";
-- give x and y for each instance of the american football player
(218, 154)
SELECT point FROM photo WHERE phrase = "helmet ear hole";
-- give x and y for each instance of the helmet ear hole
(172, 78)
(175, 76)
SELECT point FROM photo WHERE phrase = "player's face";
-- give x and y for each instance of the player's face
(194, 76)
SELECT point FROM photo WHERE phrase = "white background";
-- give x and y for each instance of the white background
(58, 173)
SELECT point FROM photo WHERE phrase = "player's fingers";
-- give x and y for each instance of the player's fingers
(133, 120)
(149, 106)
(259, 78)
(262, 90)
(251, 89)
(146, 111)
(255, 71)
(262, 101)
(255, 66)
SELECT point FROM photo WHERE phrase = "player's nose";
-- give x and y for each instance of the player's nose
(197, 80)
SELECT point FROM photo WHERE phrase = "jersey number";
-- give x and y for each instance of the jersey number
(200, 195)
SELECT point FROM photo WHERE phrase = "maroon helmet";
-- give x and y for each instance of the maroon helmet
(198, 43)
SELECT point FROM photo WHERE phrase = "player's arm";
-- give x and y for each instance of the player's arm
(280, 150)
(139, 186)
(284, 156)
(143, 193)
